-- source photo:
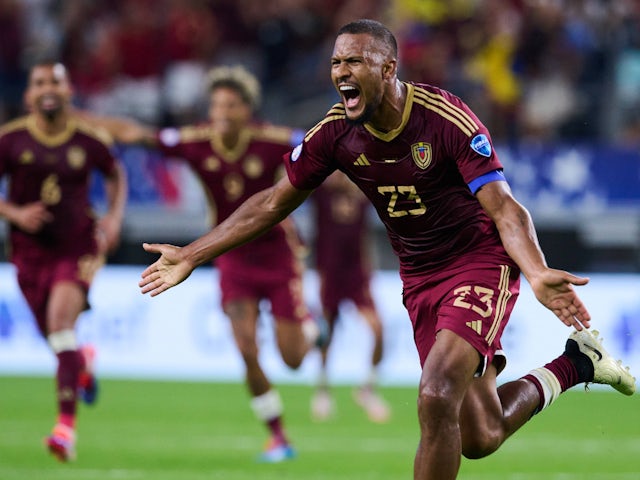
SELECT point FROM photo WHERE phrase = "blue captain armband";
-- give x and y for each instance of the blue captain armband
(492, 176)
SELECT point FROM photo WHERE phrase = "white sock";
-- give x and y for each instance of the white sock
(311, 331)
(62, 341)
(550, 385)
(267, 406)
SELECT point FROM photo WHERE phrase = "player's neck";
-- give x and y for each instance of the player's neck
(389, 114)
(230, 139)
(51, 125)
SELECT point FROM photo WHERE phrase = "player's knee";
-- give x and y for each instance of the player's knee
(292, 359)
(481, 445)
(436, 406)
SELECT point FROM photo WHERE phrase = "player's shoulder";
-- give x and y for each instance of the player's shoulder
(271, 133)
(12, 126)
(195, 133)
(445, 107)
(93, 131)
(334, 121)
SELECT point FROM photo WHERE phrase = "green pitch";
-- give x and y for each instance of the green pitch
(193, 431)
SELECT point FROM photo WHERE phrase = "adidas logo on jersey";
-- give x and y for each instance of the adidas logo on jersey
(475, 325)
(362, 161)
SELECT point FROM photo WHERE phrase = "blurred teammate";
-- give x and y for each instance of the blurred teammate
(342, 262)
(56, 242)
(235, 157)
(427, 164)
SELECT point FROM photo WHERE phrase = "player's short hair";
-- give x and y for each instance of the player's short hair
(374, 28)
(47, 61)
(236, 78)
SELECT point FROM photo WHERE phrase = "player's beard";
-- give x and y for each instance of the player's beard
(364, 117)
(366, 114)
(50, 114)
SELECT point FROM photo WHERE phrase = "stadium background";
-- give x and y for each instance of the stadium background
(556, 81)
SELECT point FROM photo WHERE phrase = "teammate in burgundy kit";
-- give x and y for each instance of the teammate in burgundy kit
(56, 242)
(234, 157)
(342, 244)
(428, 166)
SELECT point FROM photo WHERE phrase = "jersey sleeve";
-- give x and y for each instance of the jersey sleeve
(472, 147)
(104, 158)
(310, 162)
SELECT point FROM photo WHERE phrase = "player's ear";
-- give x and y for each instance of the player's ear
(389, 69)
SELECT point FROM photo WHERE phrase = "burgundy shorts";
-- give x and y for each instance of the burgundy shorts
(474, 302)
(283, 290)
(40, 271)
(353, 286)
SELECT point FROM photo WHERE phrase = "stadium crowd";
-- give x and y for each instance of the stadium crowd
(532, 69)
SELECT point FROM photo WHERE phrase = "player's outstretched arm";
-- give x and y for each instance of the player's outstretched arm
(553, 288)
(255, 216)
(168, 271)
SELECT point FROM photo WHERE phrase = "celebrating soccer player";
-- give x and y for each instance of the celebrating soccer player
(236, 156)
(57, 245)
(428, 166)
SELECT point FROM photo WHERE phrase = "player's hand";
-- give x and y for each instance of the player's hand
(168, 271)
(108, 233)
(31, 217)
(554, 289)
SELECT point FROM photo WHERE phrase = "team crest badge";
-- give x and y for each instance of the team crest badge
(212, 164)
(26, 157)
(421, 153)
(76, 156)
(253, 166)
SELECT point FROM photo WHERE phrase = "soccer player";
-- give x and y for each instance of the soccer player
(427, 164)
(234, 157)
(56, 242)
(342, 262)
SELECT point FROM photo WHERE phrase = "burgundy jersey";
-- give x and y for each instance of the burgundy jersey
(341, 233)
(231, 176)
(55, 170)
(416, 176)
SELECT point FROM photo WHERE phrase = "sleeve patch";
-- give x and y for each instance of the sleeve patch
(295, 154)
(481, 144)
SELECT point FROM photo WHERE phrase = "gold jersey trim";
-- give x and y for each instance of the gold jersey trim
(446, 109)
(231, 155)
(99, 133)
(51, 141)
(406, 113)
(337, 112)
(272, 133)
(14, 125)
(501, 303)
(195, 133)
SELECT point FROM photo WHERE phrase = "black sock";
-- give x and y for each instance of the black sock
(582, 362)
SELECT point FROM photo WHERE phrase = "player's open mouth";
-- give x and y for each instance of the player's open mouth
(350, 95)
(49, 101)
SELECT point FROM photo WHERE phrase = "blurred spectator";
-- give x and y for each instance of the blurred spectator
(12, 74)
(191, 40)
(532, 69)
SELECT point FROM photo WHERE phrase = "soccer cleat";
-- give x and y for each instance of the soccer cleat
(324, 335)
(606, 370)
(88, 383)
(322, 406)
(373, 404)
(62, 443)
(276, 451)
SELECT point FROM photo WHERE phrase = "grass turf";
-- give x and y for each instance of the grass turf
(191, 431)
